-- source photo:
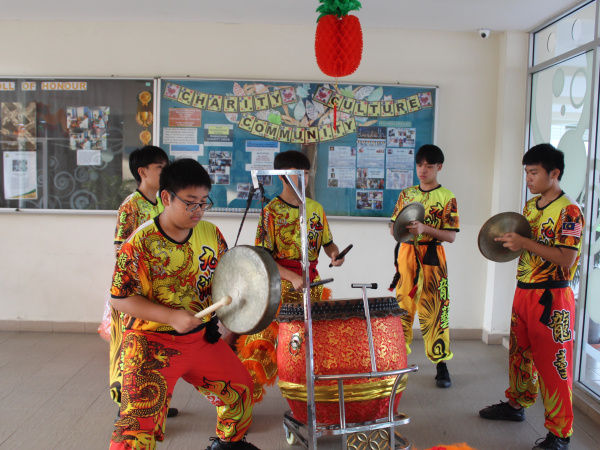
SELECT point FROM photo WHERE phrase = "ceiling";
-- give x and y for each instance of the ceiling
(447, 15)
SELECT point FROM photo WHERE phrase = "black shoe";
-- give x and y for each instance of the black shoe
(503, 411)
(442, 379)
(218, 444)
(172, 412)
(552, 442)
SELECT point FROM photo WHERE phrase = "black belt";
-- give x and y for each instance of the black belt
(544, 285)
(212, 330)
(546, 298)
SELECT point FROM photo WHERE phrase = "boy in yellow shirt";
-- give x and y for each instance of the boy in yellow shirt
(422, 278)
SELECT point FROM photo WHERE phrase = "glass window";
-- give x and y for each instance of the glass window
(560, 114)
(590, 358)
(566, 34)
(561, 104)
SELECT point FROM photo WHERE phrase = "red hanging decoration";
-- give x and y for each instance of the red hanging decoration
(335, 116)
(338, 45)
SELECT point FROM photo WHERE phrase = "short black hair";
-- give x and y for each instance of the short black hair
(547, 156)
(291, 159)
(182, 174)
(429, 153)
(143, 157)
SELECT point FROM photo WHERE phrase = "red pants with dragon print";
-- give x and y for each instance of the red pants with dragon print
(153, 362)
(541, 356)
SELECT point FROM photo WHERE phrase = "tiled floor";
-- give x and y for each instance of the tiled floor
(54, 395)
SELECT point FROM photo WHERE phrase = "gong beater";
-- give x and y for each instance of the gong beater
(247, 283)
(496, 226)
(412, 212)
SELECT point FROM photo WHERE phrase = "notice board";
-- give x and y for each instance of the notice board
(64, 141)
(361, 138)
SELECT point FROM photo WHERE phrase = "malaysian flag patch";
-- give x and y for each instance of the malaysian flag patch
(571, 229)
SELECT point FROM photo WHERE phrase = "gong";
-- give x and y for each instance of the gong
(247, 285)
(412, 212)
(496, 226)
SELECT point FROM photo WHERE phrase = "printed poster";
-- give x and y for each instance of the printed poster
(263, 154)
(370, 178)
(340, 156)
(369, 200)
(192, 151)
(400, 158)
(399, 179)
(341, 172)
(89, 158)
(218, 135)
(18, 126)
(185, 117)
(20, 175)
(401, 137)
(341, 177)
(180, 136)
(370, 153)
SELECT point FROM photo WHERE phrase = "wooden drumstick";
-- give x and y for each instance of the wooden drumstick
(342, 254)
(205, 312)
(315, 283)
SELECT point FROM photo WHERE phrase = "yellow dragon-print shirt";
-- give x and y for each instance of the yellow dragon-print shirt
(176, 275)
(558, 224)
(441, 211)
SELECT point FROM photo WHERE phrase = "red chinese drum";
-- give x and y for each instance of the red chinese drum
(341, 346)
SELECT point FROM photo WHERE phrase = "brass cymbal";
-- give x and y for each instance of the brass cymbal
(496, 226)
(412, 212)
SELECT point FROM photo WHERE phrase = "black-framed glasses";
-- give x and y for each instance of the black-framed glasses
(190, 206)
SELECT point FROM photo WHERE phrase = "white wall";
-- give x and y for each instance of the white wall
(56, 267)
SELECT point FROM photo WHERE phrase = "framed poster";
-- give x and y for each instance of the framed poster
(65, 141)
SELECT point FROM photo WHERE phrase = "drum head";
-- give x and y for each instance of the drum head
(411, 212)
(496, 226)
(250, 277)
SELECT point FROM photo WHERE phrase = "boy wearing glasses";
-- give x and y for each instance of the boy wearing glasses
(162, 277)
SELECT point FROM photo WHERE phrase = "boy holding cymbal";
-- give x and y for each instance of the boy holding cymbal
(421, 281)
(543, 311)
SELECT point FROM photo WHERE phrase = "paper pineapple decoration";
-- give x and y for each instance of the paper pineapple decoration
(338, 40)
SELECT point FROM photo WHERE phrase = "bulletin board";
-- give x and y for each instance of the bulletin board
(64, 141)
(361, 138)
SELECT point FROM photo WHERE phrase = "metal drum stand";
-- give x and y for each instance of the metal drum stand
(294, 428)
(380, 432)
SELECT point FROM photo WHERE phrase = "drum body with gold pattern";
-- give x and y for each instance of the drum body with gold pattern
(341, 346)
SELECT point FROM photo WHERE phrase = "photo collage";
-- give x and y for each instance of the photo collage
(219, 166)
(87, 127)
(382, 159)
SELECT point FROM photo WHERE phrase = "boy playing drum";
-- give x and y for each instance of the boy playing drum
(278, 233)
(162, 278)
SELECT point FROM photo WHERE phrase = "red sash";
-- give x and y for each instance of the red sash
(296, 266)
